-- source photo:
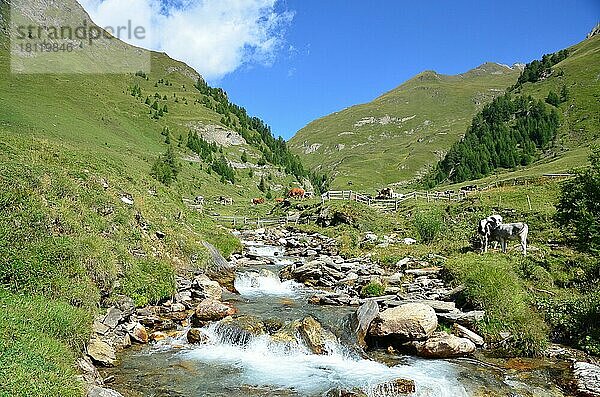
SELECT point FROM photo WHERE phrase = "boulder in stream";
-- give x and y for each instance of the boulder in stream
(195, 335)
(411, 321)
(315, 336)
(240, 329)
(204, 287)
(362, 319)
(444, 345)
(212, 310)
(587, 379)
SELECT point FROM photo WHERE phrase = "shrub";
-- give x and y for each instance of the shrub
(374, 288)
(574, 320)
(578, 209)
(429, 224)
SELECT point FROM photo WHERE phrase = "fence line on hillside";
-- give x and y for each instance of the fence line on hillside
(261, 222)
(391, 204)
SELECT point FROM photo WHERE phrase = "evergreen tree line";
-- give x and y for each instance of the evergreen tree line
(259, 135)
(537, 69)
(206, 151)
(166, 167)
(508, 132)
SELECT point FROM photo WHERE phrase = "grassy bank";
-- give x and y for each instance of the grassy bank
(551, 295)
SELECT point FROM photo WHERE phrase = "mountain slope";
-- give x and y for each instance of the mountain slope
(565, 83)
(398, 135)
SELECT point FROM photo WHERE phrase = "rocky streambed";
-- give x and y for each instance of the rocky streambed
(290, 317)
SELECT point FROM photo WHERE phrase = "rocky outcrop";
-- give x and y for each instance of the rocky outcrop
(407, 322)
(587, 379)
(444, 345)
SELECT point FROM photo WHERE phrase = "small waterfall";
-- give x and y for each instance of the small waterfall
(252, 284)
(261, 250)
(261, 361)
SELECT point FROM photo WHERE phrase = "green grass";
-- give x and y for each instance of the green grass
(492, 284)
(39, 341)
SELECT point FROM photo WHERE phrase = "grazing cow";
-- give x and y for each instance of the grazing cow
(296, 193)
(225, 200)
(385, 193)
(279, 200)
(485, 228)
(256, 201)
(511, 231)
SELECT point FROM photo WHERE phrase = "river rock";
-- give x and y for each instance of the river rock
(395, 387)
(204, 287)
(101, 353)
(97, 391)
(212, 310)
(287, 333)
(587, 379)
(464, 332)
(408, 322)
(240, 329)
(138, 332)
(362, 319)
(89, 372)
(113, 317)
(157, 336)
(195, 335)
(315, 336)
(444, 345)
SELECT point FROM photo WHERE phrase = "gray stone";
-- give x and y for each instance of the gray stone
(407, 322)
(113, 317)
(438, 306)
(101, 353)
(466, 319)
(464, 332)
(204, 287)
(362, 319)
(97, 391)
(587, 379)
(444, 345)
(99, 328)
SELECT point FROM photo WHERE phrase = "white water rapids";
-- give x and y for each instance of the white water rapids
(263, 362)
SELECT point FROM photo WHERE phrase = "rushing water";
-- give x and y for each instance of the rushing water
(263, 367)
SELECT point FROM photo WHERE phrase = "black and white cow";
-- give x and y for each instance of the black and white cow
(485, 228)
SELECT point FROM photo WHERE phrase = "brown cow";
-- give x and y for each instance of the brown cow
(256, 201)
(279, 200)
(296, 192)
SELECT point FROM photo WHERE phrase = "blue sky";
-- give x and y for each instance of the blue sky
(292, 61)
(348, 52)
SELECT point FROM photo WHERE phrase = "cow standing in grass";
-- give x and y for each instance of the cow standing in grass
(296, 193)
(511, 231)
(485, 228)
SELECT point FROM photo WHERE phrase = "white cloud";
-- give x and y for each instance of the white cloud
(214, 36)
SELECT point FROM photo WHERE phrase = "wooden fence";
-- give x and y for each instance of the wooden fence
(242, 221)
(391, 204)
